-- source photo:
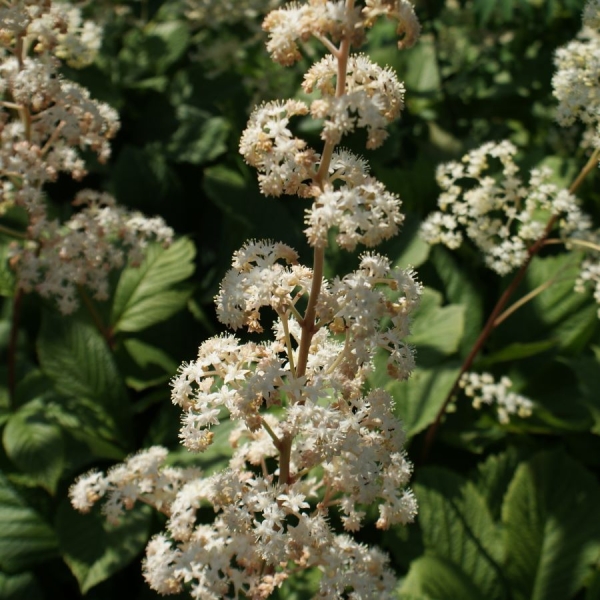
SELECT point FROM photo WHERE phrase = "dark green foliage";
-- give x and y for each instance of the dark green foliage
(506, 511)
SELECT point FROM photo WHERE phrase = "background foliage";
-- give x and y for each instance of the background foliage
(506, 511)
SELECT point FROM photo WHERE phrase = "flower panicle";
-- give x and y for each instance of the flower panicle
(308, 438)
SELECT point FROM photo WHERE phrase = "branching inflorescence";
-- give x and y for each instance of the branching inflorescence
(45, 119)
(485, 199)
(309, 442)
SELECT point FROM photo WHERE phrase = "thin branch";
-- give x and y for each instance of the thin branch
(328, 44)
(574, 242)
(524, 300)
(308, 322)
(591, 163)
(13, 232)
(271, 433)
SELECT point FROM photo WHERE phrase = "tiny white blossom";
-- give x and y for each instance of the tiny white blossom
(485, 390)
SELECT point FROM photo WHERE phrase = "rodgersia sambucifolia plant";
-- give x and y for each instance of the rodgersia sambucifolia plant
(46, 121)
(510, 220)
(309, 439)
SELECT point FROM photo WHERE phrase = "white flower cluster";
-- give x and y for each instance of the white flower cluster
(44, 120)
(258, 528)
(575, 82)
(361, 209)
(333, 21)
(284, 162)
(44, 117)
(143, 477)
(82, 251)
(257, 280)
(309, 442)
(499, 213)
(484, 390)
(49, 28)
(365, 213)
(589, 273)
(373, 98)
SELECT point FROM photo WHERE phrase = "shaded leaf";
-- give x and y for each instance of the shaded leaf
(458, 529)
(587, 371)
(459, 289)
(494, 476)
(418, 399)
(77, 359)
(516, 351)
(148, 365)
(435, 578)
(435, 327)
(570, 316)
(94, 549)
(20, 586)
(551, 516)
(25, 538)
(35, 445)
(200, 137)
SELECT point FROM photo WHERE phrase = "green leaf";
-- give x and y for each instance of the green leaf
(422, 75)
(143, 177)
(413, 251)
(516, 351)
(593, 590)
(149, 294)
(458, 529)
(149, 52)
(493, 478)
(200, 137)
(248, 214)
(89, 423)
(174, 39)
(20, 586)
(148, 365)
(587, 372)
(35, 445)
(418, 399)
(77, 359)
(551, 516)
(435, 578)
(25, 538)
(436, 329)
(94, 549)
(459, 289)
(570, 316)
